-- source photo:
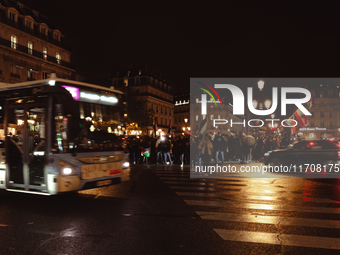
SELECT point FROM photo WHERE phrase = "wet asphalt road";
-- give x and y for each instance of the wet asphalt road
(163, 211)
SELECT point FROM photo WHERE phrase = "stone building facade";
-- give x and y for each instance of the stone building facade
(325, 120)
(31, 47)
(182, 114)
(150, 87)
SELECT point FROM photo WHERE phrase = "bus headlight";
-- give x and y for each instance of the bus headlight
(66, 168)
(67, 171)
(126, 164)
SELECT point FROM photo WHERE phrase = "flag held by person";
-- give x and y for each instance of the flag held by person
(203, 126)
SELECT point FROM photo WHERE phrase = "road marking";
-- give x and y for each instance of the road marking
(265, 206)
(172, 175)
(249, 218)
(172, 172)
(191, 188)
(275, 238)
(180, 179)
(202, 183)
(295, 198)
(189, 183)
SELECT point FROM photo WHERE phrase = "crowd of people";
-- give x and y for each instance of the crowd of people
(160, 150)
(239, 147)
(218, 148)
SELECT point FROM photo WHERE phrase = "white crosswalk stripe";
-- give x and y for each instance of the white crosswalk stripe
(249, 196)
(288, 208)
(250, 218)
(274, 238)
(247, 205)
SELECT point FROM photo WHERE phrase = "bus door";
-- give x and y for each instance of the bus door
(26, 133)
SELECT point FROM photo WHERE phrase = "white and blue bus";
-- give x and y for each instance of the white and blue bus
(59, 136)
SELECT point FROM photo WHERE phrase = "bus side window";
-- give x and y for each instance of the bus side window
(60, 143)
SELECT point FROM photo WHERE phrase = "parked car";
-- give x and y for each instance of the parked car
(305, 152)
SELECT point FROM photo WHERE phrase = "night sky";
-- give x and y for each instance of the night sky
(236, 39)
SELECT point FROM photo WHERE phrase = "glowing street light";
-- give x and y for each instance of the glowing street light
(260, 84)
(272, 115)
(267, 103)
(255, 103)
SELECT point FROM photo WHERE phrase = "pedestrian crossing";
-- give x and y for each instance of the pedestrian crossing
(300, 219)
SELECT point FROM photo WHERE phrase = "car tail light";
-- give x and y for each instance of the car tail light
(338, 154)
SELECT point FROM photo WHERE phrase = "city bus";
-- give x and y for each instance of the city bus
(59, 135)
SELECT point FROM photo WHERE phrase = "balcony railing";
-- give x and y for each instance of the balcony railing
(35, 32)
(35, 53)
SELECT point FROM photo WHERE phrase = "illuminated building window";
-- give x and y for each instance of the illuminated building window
(30, 47)
(196, 117)
(31, 74)
(211, 117)
(14, 41)
(58, 57)
(44, 52)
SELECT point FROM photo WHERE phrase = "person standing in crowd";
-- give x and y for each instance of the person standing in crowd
(268, 144)
(247, 146)
(258, 149)
(285, 141)
(205, 147)
(153, 157)
(145, 150)
(230, 147)
(193, 147)
(187, 150)
(135, 151)
(181, 147)
(238, 147)
(159, 145)
(276, 142)
(219, 145)
(176, 150)
(166, 151)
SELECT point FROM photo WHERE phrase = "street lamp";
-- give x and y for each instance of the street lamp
(260, 84)
(272, 115)
(255, 103)
(185, 120)
(267, 103)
